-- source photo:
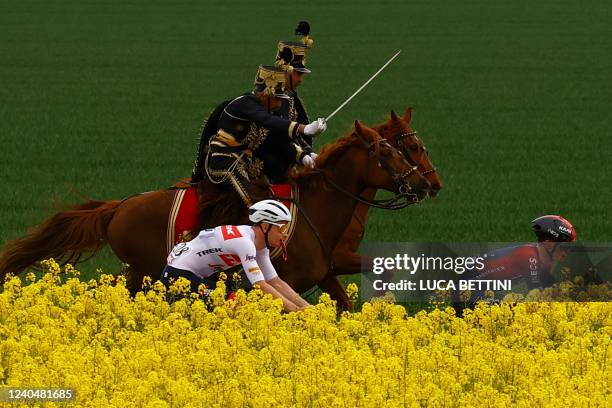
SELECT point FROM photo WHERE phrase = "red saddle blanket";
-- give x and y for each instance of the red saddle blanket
(183, 218)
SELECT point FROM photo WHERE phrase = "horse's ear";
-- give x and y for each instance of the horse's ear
(408, 115)
(358, 127)
(362, 130)
(394, 117)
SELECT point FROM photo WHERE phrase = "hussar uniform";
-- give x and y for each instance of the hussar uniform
(277, 152)
(243, 126)
(276, 149)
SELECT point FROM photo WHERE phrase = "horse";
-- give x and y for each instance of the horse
(346, 259)
(136, 228)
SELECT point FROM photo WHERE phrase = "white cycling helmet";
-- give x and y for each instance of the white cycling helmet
(270, 211)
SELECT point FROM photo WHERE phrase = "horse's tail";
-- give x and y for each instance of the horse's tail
(65, 236)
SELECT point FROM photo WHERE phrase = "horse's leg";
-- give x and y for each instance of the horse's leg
(332, 285)
(137, 235)
(308, 264)
(347, 261)
(134, 275)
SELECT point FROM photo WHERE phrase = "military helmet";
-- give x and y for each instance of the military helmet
(291, 55)
(271, 81)
(553, 228)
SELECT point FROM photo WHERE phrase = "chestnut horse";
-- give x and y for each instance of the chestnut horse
(135, 228)
(346, 260)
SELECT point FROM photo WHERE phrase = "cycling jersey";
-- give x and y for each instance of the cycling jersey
(518, 262)
(221, 248)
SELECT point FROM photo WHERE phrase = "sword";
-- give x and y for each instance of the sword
(362, 86)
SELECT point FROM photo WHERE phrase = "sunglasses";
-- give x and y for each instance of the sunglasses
(284, 229)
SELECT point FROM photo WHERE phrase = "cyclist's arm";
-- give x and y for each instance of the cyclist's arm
(282, 287)
(244, 248)
(288, 305)
(272, 278)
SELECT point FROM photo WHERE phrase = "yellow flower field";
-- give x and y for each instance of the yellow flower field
(143, 352)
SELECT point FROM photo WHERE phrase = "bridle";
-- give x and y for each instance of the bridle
(424, 152)
(401, 179)
(406, 195)
(404, 198)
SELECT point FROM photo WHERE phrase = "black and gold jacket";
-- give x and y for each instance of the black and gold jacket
(280, 153)
(244, 124)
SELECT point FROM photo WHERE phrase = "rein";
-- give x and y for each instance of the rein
(405, 190)
(399, 201)
(309, 222)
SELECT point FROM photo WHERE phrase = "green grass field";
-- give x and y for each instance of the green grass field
(513, 100)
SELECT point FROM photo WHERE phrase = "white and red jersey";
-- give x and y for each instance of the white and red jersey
(218, 249)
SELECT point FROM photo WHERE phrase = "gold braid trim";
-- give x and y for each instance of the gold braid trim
(292, 111)
(242, 192)
(292, 128)
(299, 150)
(255, 137)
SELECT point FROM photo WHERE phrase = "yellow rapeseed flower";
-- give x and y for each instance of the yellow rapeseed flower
(115, 350)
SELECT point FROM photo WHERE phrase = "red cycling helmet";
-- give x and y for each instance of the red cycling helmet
(553, 228)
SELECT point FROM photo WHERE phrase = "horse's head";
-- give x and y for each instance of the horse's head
(398, 132)
(385, 167)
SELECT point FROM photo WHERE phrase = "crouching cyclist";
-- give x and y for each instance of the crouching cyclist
(529, 263)
(213, 251)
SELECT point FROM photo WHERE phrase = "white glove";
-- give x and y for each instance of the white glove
(314, 155)
(308, 161)
(322, 124)
(315, 128)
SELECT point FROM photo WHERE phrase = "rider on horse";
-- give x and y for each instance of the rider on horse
(243, 124)
(277, 152)
(213, 251)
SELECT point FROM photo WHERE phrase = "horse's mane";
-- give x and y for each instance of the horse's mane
(329, 155)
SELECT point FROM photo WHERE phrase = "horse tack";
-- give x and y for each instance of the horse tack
(401, 179)
(424, 151)
(394, 203)
(183, 217)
